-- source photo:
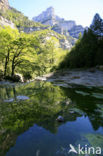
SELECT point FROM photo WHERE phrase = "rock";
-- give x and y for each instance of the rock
(4, 5)
(97, 67)
(5, 22)
(18, 78)
(41, 78)
(101, 67)
(32, 29)
(60, 119)
(46, 17)
(15, 78)
(71, 112)
(75, 31)
(97, 25)
(75, 77)
(76, 110)
(92, 70)
(60, 25)
(65, 44)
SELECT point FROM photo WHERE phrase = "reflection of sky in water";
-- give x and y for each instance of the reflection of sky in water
(37, 139)
(20, 97)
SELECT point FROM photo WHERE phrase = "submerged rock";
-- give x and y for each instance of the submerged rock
(60, 119)
(97, 95)
(71, 112)
(82, 93)
(92, 70)
(76, 110)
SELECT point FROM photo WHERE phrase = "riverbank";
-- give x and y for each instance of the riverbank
(66, 78)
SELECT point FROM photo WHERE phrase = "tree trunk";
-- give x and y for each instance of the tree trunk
(13, 67)
(6, 63)
(13, 70)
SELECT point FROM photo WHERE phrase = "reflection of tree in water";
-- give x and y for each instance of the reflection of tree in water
(43, 107)
(7, 93)
(45, 103)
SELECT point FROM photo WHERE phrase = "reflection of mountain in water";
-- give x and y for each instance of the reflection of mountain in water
(44, 104)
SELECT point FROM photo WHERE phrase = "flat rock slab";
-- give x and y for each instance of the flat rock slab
(76, 77)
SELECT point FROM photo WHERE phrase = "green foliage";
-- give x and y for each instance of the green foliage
(19, 19)
(87, 52)
(16, 49)
(29, 54)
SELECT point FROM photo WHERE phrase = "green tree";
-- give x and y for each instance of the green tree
(7, 35)
(23, 51)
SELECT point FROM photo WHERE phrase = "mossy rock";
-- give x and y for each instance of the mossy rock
(98, 95)
(76, 110)
(82, 93)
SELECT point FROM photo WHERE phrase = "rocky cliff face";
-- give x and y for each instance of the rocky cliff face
(58, 24)
(97, 25)
(75, 31)
(4, 4)
(5, 22)
(47, 17)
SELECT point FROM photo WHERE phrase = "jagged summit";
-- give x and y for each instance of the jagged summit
(4, 4)
(58, 24)
(46, 17)
(97, 25)
(97, 19)
(50, 9)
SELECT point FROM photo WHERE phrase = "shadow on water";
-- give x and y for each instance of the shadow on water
(29, 112)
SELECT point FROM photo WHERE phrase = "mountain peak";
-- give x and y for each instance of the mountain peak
(50, 12)
(50, 8)
(97, 25)
(60, 25)
(46, 16)
(97, 17)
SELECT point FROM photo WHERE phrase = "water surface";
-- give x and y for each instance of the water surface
(28, 113)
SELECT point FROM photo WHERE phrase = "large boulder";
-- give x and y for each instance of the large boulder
(18, 78)
(15, 78)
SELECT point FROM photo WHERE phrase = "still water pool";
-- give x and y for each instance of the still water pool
(28, 113)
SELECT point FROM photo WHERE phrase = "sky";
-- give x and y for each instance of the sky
(82, 11)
